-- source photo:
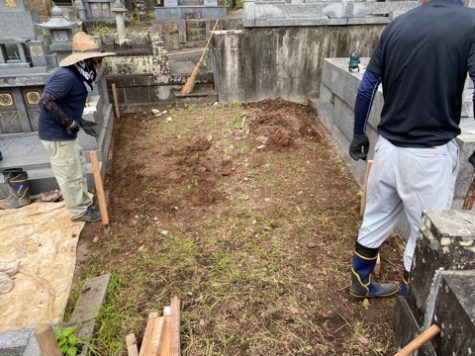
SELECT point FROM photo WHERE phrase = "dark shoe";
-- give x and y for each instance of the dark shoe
(91, 215)
(404, 287)
(364, 260)
(16, 180)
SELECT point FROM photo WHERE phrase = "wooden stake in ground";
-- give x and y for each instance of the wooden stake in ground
(99, 188)
(116, 101)
(190, 82)
(47, 341)
(470, 197)
(419, 341)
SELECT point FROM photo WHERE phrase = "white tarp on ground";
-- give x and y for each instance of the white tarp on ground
(43, 239)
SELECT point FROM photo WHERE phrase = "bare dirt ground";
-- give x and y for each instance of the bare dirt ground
(248, 215)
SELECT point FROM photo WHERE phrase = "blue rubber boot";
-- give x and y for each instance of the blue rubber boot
(404, 287)
(16, 180)
(364, 260)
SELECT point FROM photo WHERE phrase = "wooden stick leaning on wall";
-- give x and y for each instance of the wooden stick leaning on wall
(101, 199)
(116, 101)
(470, 197)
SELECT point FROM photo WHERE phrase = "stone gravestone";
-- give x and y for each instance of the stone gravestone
(26, 62)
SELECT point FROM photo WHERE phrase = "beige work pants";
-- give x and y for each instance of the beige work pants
(69, 169)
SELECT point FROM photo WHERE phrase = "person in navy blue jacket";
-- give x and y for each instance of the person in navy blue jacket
(422, 60)
(62, 104)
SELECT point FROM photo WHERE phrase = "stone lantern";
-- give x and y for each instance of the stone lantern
(119, 10)
(61, 31)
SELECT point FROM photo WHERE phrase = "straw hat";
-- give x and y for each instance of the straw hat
(84, 47)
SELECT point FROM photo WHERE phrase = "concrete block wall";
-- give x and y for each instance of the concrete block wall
(336, 107)
(259, 63)
(265, 13)
(442, 285)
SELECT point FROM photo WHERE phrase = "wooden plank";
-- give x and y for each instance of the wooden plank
(116, 101)
(149, 330)
(470, 197)
(131, 342)
(175, 327)
(153, 347)
(47, 341)
(99, 188)
(165, 344)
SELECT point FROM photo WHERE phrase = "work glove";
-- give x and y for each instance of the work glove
(359, 147)
(89, 127)
(471, 159)
(73, 128)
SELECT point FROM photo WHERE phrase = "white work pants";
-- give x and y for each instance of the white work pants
(69, 168)
(406, 180)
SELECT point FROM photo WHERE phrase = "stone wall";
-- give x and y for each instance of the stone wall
(336, 110)
(259, 63)
(442, 285)
(265, 13)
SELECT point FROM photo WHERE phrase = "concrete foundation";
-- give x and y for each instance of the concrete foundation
(442, 284)
(260, 63)
(336, 109)
(447, 243)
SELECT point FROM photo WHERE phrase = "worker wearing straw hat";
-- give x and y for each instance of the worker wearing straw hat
(61, 107)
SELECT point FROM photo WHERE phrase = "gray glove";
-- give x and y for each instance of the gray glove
(359, 147)
(89, 127)
(471, 159)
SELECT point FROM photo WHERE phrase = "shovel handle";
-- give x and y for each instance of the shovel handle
(420, 341)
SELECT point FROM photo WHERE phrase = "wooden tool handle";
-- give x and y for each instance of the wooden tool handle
(470, 197)
(420, 341)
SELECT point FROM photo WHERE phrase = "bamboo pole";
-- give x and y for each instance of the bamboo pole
(99, 188)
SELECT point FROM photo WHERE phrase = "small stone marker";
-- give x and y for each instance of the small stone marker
(89, 304)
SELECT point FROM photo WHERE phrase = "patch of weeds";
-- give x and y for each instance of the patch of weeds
(193, 184)
(235, 104)
(69, 344)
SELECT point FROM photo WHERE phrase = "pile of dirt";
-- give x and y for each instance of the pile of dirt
(277, 124)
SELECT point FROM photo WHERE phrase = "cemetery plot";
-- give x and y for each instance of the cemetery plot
(248, 216)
